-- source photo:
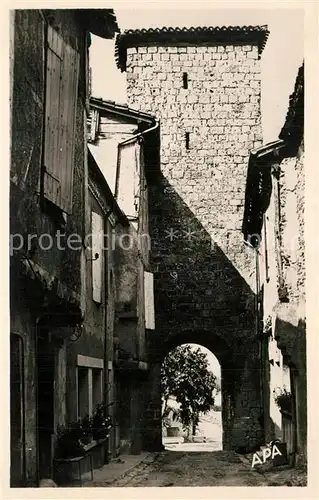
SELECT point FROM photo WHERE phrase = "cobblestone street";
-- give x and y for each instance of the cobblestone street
(181, 469)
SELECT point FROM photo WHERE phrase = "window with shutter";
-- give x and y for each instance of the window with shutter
(97, 263)
(60, 120)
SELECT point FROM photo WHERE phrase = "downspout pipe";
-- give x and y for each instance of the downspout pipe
(260, 337)
(120, 146)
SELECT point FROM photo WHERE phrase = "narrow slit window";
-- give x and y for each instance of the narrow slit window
(185, 80)
(187, 140)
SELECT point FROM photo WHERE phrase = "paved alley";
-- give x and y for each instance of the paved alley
(182, 469)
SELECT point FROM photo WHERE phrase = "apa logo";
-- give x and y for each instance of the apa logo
(270, 452)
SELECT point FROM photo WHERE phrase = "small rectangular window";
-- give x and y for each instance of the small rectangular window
(83, 392)
(187, 140)
(185, 80)
(97, 387)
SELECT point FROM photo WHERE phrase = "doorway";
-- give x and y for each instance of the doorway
(17, 411)
(45, 404)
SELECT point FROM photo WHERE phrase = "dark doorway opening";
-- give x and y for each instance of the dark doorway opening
(45, 404)
(17, 428)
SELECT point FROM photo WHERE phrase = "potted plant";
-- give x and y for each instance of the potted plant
(101, 423)
(86, 429)
(283, 400)
(68, 444)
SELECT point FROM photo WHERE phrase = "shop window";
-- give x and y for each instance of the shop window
(90, 384)
(83, 391)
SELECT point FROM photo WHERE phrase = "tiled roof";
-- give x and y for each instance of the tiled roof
(261, 159)
(293, 128)
(175, 36)
(121, 109)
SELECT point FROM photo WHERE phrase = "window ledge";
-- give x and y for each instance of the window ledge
(93, 444)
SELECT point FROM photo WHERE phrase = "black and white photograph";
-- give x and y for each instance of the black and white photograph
(157, 247)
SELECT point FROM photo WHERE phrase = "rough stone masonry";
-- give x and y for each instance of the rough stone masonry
(206, 94)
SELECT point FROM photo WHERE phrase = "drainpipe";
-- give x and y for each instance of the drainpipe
(257, 314)
(257, 290)
(107, 343)
(123, 143)
(261, 341)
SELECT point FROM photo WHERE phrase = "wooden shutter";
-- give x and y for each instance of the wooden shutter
(97, 265)
(60, 120)
(51, 181)
(149, 301)
(137, 178)
(68, 125)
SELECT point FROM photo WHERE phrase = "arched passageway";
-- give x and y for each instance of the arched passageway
(240, 405)
(208, 434)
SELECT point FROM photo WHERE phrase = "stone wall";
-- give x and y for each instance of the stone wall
(205, 281)
(129, 257)
(27, 141)
(292, 332)
(220, 111)
(300, 199)
(284, 315)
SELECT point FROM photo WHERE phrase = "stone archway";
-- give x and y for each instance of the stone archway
(240, 396)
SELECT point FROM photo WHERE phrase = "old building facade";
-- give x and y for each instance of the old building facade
(274, 225)
(126, 235)
(204, 86)
(48, 203)
(118, 138)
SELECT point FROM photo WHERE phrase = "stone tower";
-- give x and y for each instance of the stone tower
(204, 86)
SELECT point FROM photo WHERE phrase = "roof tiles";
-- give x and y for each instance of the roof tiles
(194, 35)
(121, 109)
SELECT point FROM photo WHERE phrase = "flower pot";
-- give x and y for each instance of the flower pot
(69, 449)
(86, 439)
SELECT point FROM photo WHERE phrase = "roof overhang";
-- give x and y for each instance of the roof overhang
(258, 188)
(121, 110)
(99, 22)
(293, 130)
(265, 152)
(232, 35)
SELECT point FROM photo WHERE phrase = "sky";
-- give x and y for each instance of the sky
(280, 59)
